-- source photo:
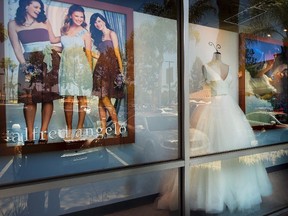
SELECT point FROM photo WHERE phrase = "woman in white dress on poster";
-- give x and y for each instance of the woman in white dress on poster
(75, 72)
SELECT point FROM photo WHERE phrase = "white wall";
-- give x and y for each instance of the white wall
(202, 52)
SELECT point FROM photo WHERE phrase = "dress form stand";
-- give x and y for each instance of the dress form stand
(216, 63)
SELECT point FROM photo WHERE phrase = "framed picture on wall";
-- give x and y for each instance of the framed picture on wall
(73, 75)
(263, 81)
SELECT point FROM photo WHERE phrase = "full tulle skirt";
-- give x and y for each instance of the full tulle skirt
(234, 184)
(231, 185)
(224, 124)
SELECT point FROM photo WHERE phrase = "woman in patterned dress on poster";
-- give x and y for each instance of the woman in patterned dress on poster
(109, 66)
(39, 64)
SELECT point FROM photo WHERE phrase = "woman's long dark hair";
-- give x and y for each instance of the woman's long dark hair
(21, 12)
(95, 33)
(68, 21)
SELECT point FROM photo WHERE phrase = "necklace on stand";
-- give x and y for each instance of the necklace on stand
(28, 24)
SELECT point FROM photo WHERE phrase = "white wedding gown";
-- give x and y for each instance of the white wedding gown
(235, 184)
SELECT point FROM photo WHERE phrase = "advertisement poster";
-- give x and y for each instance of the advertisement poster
(66, 74)
(263, 67)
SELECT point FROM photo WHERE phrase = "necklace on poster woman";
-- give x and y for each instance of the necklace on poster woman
(28, 24)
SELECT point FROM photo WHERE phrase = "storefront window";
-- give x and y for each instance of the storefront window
(237, 101)
(231, 48)
(95, 120)
(88, 105)
(93, 109)
(133, 193)
(233, 187)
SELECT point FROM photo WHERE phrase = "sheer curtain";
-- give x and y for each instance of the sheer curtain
(117, 22)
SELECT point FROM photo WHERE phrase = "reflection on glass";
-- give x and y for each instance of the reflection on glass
(97, 194)
(266, 88)
(75, 69)
(232, 186)
(61, 67)
(219, 122)
(228, 184)
(108, 74)
(155, 121)
(38, 65)
(220, 125)
(169, 191)
(167, 123)
(156, 103)
(261, 61)
(156, 136)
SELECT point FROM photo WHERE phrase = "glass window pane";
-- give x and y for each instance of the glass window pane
(238, 96)
(121, 195)
(238, 187)
(145, 114)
